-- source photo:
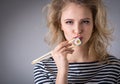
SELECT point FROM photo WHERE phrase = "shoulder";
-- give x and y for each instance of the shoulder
(114, 62)
(45, 62)
(46, 66)
(113, 59)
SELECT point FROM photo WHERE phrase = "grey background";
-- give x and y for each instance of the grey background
(22, 31)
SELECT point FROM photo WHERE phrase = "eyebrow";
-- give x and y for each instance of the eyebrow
(86, 19)
(80, 19)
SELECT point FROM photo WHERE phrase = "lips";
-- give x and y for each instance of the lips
(79, 37)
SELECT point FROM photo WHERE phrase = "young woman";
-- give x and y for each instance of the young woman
(89, 63)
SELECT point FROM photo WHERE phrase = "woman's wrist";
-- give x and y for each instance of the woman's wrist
(63, 70)
(62, 77)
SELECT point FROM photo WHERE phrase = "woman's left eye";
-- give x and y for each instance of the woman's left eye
(86, 21)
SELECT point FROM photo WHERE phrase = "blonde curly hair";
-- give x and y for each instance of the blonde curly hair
(101, 35)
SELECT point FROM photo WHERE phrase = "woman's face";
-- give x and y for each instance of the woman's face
(77, 21)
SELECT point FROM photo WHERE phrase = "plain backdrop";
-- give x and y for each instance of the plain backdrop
(22, 31)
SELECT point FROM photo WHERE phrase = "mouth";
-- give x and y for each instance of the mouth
(80, 37)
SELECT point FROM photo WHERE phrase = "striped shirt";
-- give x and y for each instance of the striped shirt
(80, 73)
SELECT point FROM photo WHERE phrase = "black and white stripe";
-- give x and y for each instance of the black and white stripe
(80, 73)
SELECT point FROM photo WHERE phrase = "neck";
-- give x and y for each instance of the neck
(80, 54)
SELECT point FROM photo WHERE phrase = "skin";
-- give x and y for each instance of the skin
(76, 20)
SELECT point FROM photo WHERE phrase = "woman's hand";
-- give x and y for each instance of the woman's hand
(60, 55)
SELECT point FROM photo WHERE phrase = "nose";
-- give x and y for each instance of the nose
(77, 29)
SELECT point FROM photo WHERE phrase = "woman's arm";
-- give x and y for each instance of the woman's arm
(62, 78)
(59, 55)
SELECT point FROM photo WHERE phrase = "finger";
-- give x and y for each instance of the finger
(67, 52)
(66, 49)
(62, 45)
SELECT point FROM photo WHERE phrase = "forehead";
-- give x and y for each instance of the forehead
(76, 11)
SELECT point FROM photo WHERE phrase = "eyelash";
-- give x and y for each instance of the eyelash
(86, 22)
(83, 22)
(69, 22)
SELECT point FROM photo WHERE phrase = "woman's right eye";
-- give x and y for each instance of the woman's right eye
(69, 22)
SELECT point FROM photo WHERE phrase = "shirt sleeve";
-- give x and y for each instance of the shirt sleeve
(40, 75)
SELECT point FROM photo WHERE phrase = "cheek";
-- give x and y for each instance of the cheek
(88, 34)
(67, 33)
(65, 29)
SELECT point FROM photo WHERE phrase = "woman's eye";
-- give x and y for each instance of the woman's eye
(86, 22)
(69, 22)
